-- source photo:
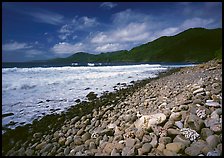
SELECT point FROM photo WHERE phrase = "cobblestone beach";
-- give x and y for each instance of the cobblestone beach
(174, 115)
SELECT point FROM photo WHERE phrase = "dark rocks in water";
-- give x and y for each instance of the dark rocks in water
(132, 82)
(48, 100)
(7, 114)
(77, 100)
(87, 88)
(40, 102)
(124, 84)
(91, 96)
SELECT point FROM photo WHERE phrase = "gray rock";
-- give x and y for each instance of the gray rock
(169, 153)
(182, 139)
(205, 132)
(69, 140)
(80, 132)
(197, 101)
(179, 124)
(146, 138)
(47, 148)
(217, 128)
(138, 145)
(183, 107)
(41, 146)
(130, 142)
(86, 136)
(198, 91)
(154, 141)
(21, 152)
(214, 153)
(212, 103)
(140, 133)
(212, 140)
(108, 148)
(211, 121)
(77, 140)
(37, 135)
(76, 149)
(92, 145)
(128, 151)
(114, 152)
(173, 132)
(176, 116)
(146, 148)
(61, 140)
(206, 149)
(168, 124)
(66, 151)
(175, 147)
(29, 152)
(165, 140)
(191, 151)
(195, 148)
(219, 111)
(194, 122)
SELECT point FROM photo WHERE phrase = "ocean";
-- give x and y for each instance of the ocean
(33, 90)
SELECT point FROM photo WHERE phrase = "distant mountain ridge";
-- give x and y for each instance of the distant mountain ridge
(192, 45)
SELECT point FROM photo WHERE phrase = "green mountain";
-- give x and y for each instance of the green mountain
(192, 45)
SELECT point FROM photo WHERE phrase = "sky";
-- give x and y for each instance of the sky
(44, 30)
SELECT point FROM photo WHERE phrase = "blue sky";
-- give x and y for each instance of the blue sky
(43, 30)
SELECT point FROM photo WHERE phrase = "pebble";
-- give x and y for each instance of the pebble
(182, 139)
(146, 148)
(169, 153)
(165, 140)
(92, 145)
(205, 132)
(86, 136)
(29, 152)
(173, 132)
(194, 122)
(213, 153)
(80, 132)
(179, 124)
(212, 103)
(62, 140)
(130, 142)
(176, 116)
(128, 151)
(212, 140)
(37, 135)
(176, 147)
(198, 91)
(67, 151)
(40, 146)
(114, 152)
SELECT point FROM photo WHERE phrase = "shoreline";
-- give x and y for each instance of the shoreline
(74, 110)
(54, 122)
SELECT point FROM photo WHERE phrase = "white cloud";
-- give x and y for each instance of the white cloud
(47, 17)
(169, 31)
(196, 22)
(77, 23)
(108, 5)
(109, 47)
(67, 48)
(15, 46)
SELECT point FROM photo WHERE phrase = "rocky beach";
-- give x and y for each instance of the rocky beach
(178, 113)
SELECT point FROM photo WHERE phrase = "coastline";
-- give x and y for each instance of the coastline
(26, 142)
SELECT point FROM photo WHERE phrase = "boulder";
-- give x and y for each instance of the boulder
(147, 120)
